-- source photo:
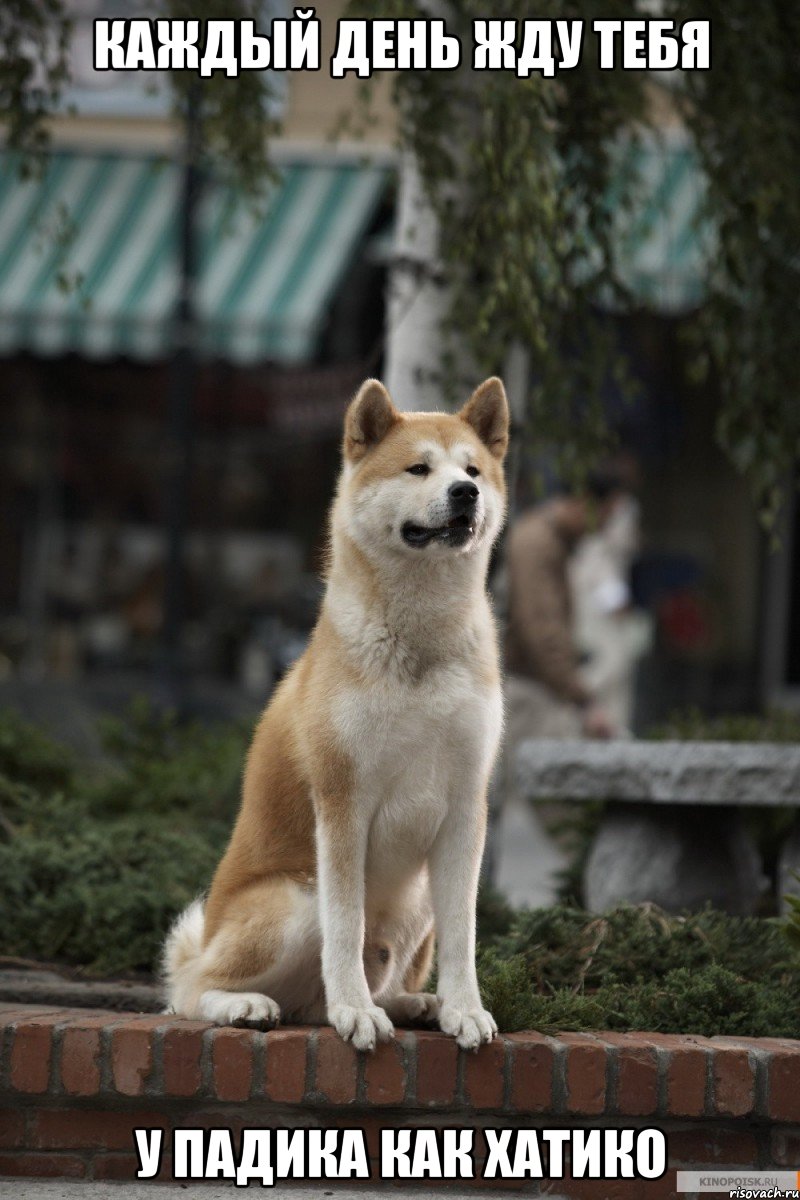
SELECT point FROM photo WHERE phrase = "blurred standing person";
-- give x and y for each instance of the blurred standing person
(612, 635)
(546, 693)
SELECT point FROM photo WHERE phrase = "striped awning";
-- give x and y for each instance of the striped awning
(663, 245)
(89, 257)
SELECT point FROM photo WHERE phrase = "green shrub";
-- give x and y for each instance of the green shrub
(30, 756)
(95, 863)
(96, 860)
(637, 968)
(710, 1002)
(100, 894)
(792, 923)
(691, 725)
(567, 947)
(160, 765)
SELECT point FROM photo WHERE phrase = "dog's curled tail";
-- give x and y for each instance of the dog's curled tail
(182, 950)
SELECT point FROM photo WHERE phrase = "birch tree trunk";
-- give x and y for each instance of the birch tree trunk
(417, 300)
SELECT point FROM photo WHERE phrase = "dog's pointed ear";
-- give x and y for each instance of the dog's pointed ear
(369, 418)
(487, 412)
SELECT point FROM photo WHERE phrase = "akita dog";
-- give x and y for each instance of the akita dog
(364, 799)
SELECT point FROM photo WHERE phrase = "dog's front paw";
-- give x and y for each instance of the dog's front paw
(361, 1026)
(469, 1026)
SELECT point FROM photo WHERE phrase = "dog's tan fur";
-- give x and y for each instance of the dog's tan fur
(363, 806)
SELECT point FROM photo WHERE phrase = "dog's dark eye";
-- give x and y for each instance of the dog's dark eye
(419, 469)
(472, 471)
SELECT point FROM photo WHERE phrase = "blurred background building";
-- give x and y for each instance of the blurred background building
(288, 310)
(289, 315)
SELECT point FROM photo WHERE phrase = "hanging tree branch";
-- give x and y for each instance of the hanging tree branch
(528, 196)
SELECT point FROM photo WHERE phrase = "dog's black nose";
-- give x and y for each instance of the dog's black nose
(462, 494)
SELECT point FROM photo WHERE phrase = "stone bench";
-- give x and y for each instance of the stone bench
(672, 832)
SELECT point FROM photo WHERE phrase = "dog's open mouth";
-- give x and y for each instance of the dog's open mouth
(456, 532)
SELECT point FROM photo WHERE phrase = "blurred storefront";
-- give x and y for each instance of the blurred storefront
(289, 311)
(289, 317)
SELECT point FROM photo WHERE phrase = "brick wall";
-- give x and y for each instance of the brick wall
(74, 1083)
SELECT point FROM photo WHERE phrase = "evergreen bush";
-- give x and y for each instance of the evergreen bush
(96, 860)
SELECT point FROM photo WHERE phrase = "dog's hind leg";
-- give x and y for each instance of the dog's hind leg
(419, 968)
(251, 1009)
(411, 1003)
(261, 959)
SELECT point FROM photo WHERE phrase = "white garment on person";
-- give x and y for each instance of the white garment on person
(610, 635)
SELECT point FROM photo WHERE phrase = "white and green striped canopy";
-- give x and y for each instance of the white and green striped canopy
(88, 252)
(88, 257)
(663, 244)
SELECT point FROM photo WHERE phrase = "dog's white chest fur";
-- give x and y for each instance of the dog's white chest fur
(414, 748)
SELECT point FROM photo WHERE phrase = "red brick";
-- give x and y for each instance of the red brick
(722, 1042)
(182, 1049)
(31, 1054)
(132, 1058)
(11, 1013)
(614, 1189)
(734, 1083)
(88, 1129)
(232, 1063)
(337, 1065)
(637, 1073)
(221, 1117)
(115, 1166)
(783, 1045)
(125, 1166)
(437, 1063)
(82, 1018)
(80, 1061)
(497, 1185)
(285, 1079)
(12, 1128)
(385, 1073)
(50, 1166)
(585, 1074)
(484, 1083)
(784, 1084)
(687, 1071)
(371, 1128)
(89, 1018)
(531, 1073)
(712, 1146)
(785, 1147)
